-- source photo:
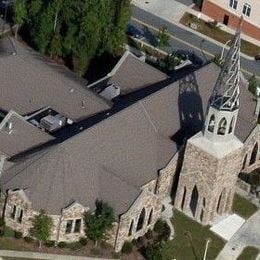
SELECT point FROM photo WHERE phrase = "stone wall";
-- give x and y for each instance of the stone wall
(19, 199)
(147, 201)
(252, 140)
(209, 183)
(166, 177)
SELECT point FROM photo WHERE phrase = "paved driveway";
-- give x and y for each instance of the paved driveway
(247, 235)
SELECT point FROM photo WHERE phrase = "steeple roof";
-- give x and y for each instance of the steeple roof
(225, 95)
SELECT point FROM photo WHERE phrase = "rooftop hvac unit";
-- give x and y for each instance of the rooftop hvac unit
(52, 123)
(110, 92)
(9, 127)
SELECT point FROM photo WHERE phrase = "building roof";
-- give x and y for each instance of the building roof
(130, 74)
(126, 145)
(21, 137)
(115, 157)
(29, 82)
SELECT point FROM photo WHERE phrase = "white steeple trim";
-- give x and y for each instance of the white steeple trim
(226, 92)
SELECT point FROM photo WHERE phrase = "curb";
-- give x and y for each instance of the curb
(194, 32)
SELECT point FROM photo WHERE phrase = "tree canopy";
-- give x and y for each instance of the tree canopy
(100, 222)
(77, 30)
(41, 229)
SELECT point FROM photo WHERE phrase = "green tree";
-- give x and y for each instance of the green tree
(41, 229)
(253, 83)
(163, 38)
(75, 30)
(98, 223)
(159, 251)
(20, 14)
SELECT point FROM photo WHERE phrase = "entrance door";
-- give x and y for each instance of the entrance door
(226, 18)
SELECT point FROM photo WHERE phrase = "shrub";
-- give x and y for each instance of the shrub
(95, 251)
(83, 241)
(2, 232)
(49, 243)
(62, 244)
(149, 234)
(162, 229)
(75, 245)
(2, 222)
(127, 247)
(158, 225)
(28, 239)
(18, 234)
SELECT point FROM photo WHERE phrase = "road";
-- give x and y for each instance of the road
(185, 40)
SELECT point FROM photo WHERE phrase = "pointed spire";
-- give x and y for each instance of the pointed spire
(226, 91)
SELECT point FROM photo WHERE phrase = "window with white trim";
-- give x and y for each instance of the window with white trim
(233, 4)
(246, 9)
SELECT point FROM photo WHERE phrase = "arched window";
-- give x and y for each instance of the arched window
(244, 162)
(140, 222)
(211, 125)
(183, 198)
(194, 200)
(222, 126)
(254, 154)
(247, 9)
(204, 202)
(150, 217)
(219, 200)
(201, 215)
(231, 126)
(130, 232)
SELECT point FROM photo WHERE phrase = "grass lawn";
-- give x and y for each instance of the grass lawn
(192, 247)
(9, 244)
(249, 253)
(243, 207)
(217, 34)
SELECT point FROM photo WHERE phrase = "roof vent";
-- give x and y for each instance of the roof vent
(72, 90)
(9, 127)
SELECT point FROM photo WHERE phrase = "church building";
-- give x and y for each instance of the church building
(64, 144)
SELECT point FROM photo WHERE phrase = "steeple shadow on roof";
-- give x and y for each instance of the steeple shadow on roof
(190, 108)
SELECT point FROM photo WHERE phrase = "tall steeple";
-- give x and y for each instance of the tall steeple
(224, 102)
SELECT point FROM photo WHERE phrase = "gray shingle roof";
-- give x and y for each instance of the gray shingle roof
(114, 158)
(131, 74)
(126, 144)
(30, 82)
(22, 137)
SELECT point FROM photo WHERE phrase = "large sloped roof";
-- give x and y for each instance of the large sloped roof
(115, 157)
(125, 145)
(22, 137)
(130, 74)
(30, 82)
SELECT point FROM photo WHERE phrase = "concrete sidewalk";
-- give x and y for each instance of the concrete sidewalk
(247, 235)
(43, 256)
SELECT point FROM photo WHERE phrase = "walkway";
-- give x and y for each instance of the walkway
(167, 214)
(247, 235)
(43, 256)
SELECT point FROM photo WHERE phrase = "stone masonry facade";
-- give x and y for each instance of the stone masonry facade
(207, 184)
(149, 201)
(208, 181)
